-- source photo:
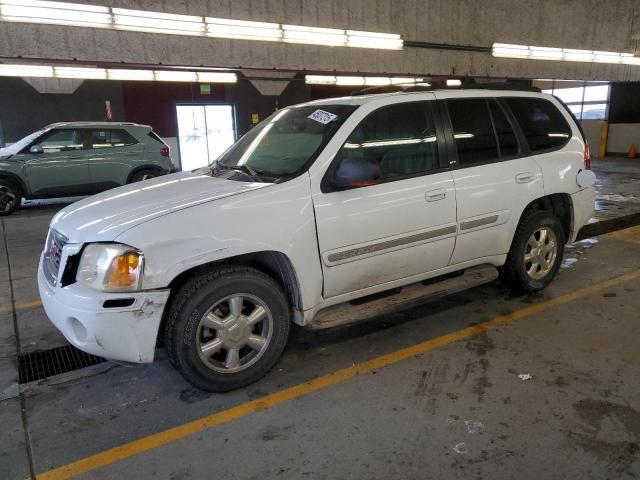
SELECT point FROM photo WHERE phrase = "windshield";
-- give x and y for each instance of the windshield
(20, 144)
(287, 142)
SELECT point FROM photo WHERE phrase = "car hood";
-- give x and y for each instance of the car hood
(105, 216)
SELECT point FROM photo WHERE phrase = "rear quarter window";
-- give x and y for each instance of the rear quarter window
(542, 124)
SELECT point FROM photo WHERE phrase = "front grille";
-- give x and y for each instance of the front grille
(38, 365)
(53, 255)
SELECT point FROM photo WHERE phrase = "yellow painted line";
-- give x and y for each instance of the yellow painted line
(631, 234)
(21, 306)
(185, 430)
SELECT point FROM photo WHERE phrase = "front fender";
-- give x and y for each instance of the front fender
(276, 219)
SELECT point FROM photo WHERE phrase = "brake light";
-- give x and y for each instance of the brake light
(587, 157)
(164, 151)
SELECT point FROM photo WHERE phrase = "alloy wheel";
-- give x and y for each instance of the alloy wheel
(234, 333)
(540, 253)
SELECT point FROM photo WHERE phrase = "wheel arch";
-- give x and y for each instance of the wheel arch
(17, 180)
(276, 265)
(560, 205)
(156, 168)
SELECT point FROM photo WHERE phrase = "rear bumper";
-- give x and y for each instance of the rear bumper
(583, 203)
(128, 334)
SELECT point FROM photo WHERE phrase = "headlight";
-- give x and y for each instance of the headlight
(111, 267)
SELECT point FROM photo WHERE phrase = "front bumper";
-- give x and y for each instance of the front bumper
(122, 333)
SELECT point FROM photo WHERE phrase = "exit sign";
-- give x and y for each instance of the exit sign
(205, 89)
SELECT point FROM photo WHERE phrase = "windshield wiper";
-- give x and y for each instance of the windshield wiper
(245, 169)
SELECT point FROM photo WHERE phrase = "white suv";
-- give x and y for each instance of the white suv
(321, 204)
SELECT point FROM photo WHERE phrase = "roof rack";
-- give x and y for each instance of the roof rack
(410, 87)
(402, 87)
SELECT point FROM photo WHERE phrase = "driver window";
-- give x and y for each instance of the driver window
(61, 140)
(400, 138)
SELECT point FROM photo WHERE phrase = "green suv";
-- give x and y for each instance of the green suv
(79, 158)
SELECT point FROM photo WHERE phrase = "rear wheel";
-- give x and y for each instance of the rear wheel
(536, 252)
(227, 328)
(145, 174)
(10, 197)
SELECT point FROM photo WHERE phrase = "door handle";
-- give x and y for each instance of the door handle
(524, 177)
(435, 195)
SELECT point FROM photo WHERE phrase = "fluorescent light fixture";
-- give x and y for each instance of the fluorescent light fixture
(377, 81)
(389, 41)
(224, 28)
(92, 73)
(59, 13)
(25, 71)
(124, 74)
(217, 77)
(80, 72)
(63, 13)
(453, 82)
(175, 76)
(315, 36)
(143, 21)
(357, 80)
(350, 81)
(505, 50)
(320, 79)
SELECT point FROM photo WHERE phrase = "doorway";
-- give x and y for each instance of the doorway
(204, 133)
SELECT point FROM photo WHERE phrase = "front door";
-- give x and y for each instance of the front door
(401, 227)
(60, 169)
(494, 175)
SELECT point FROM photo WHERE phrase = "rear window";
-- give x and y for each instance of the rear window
(543, 125)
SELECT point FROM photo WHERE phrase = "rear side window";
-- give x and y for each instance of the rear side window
(507, 141)
(109, 138)
(473, 131)
(156, 137)
(543, 125)
(400, 138)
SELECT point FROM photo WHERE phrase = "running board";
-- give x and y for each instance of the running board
(408, 296)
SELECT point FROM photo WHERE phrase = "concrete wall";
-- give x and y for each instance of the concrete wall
(586, 24)
(621, 136)
(24, 110)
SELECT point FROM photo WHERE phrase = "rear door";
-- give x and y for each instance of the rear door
(404, 225)
(61, 168)
(114, 154)
(494, 175)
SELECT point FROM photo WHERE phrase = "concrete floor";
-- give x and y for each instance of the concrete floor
(457, 409)
(618, 186)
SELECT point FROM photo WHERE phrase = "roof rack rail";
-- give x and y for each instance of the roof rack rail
(521, 87)
(401, 87)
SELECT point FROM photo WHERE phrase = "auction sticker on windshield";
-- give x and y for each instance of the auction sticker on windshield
(322, 116)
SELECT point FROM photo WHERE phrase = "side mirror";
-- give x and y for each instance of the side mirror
(36, 149)
(356, 172)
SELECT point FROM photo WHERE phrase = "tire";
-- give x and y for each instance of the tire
(10, 197)
(196, 317)
(144, 174)
(522, 275)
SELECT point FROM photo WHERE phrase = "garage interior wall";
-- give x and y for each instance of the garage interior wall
(568, 24)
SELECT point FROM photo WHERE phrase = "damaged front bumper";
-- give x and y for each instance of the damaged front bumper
(126, 333)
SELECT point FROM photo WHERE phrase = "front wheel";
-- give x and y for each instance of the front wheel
(10, 197)
(536, 252)
(227, 328)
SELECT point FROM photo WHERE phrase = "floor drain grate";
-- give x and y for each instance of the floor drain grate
(38, 365)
